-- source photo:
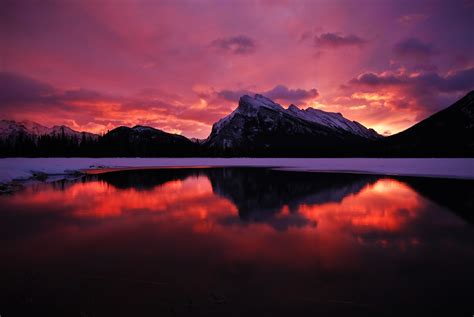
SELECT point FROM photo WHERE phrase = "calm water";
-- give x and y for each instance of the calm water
(233, 242)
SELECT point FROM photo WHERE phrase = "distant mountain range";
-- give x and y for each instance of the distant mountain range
(257, 127)
(10, 130)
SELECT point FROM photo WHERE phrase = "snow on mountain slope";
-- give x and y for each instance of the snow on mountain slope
(249, 107)
(333, 120)
(141, 128)
(35, 128)
(10, 129)
(7, 128)
(59, 130)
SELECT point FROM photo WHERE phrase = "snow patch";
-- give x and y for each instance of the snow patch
(24, 168)
(141, 128)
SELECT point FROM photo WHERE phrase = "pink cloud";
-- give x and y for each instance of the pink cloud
(103, 63)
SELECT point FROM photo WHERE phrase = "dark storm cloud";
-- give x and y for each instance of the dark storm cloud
(334, 40)
(239, 44)
(413, 47)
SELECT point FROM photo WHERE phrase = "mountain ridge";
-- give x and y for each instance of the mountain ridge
(144, 140)
(258, 127)
(448, 132)
(9, 128)
(260, 123)
(249, 106)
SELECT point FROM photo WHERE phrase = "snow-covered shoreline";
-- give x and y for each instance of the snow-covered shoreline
(24, 168)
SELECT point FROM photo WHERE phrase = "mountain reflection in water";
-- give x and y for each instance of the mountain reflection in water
(236, 241)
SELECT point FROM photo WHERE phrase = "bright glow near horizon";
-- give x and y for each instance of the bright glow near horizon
(180, 66)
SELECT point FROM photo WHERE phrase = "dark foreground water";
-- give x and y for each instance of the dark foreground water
(238, 242)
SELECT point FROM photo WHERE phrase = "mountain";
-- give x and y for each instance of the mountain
(144, 141)
(11, 130)
(275, 199)
(259, 126)
(447, 133)
(27, 138)
(276, 190)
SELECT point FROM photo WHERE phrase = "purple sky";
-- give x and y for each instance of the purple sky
(181, 65)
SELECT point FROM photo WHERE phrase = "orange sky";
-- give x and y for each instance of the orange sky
(181, 65)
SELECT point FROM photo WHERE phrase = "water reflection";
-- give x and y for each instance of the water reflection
(239, 241)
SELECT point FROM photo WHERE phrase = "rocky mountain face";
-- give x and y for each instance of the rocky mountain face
(145, 141)
(260, 126)
(447, 133)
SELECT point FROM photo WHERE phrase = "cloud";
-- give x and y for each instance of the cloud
(22, 97)
(239, 44)
(17, 88)
(413, 47)
(279, 93)
(233, 95)
(86, 44)
(373, 79)
(417, 94)
(462, 80)
(335, 40)
(18, 91)
(410, 19)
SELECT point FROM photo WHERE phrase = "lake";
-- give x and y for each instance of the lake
(235, 242)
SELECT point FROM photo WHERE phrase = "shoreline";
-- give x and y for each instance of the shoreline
(16, 172)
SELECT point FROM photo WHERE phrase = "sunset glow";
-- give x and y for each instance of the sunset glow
(237, 241)
(332, 229)
(181, 65)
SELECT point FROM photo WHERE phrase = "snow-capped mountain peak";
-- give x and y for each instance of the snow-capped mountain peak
(250, 107)
(9, 130)
(260, 123)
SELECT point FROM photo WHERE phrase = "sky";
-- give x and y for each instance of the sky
(180, 66)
